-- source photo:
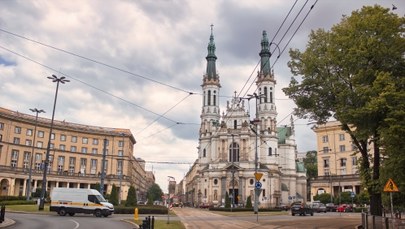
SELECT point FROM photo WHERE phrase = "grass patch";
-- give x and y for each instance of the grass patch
(27, 208)
(162, 224)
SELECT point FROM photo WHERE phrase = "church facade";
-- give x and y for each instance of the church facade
(233, 148)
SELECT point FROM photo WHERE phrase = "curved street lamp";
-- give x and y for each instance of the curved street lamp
(61, 80)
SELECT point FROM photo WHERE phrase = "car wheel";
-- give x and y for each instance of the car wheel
(97, 213)
(62, 212)
(71, 213)
(293, 214)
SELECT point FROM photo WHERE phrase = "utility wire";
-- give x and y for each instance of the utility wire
(94, 61)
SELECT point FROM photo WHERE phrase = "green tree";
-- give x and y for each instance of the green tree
(311, 164)
(114, 195)
(154, 193)
(324, 198)
(346, 75)
(249, 202)
(131, 197)
(227, 200)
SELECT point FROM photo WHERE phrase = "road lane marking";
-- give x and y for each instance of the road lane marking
(77, 224)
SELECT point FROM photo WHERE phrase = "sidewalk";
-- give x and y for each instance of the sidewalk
(7, 222)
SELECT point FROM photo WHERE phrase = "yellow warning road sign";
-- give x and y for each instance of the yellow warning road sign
(258, 176)
(390, 186)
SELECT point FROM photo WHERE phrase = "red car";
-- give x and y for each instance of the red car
(344, 208)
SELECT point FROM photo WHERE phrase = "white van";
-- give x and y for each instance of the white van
(73, 200)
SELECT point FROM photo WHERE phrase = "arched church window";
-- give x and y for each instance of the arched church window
(270, 151)
(234, 152)
(235, 124)
(209, 97)
(265, 94)
(204, 100)
(251, 181)
(215, 181)
(204, 152)
(271, 97)
(215, 98)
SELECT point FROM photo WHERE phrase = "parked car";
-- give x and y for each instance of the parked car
(319, 208)
(331, 207)
(344, 208)
(283, 207)
(301, 209)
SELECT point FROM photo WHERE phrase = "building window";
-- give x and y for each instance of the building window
(341, 137)
(105, 166)
(62, 147)
(38, 161)
(325, 149)
(83, 162)
(251, 181)
(29, 132)
(73, 148)
(270, 151)
(342, 148)
(120, 153)
(84, 149)
(40, 144)
(74, 139)
(215, 181)
(85, 140)
(41, 134)
(235, 124)
(93, 166)
(326, 163)
(94, 150)
(325, 138)
(119, 167)
(61, 163)
(17, 130)
(14, 158)
(72, 162)
(354, 147)
(120, 143)
(1, 126)
(95, 141)
(16, 141)
(53, 136)
(27, 156)
(28, 142)
(209, 98)
(343, 162)
(265, 95)
(51, 145)
(215, 98)
(62, 138)
(234, 152)
(354, 160)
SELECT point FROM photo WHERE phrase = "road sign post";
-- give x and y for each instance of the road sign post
(391, 187)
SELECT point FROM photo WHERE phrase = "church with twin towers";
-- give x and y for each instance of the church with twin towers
(234, 147)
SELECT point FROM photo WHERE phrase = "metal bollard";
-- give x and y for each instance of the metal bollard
(2, 213)
(152, 225)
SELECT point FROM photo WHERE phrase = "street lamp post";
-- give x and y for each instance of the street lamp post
(28, 191)
(48, 148)
(233, 174)
(121, 169)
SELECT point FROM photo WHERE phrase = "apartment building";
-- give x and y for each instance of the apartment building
(76, 157)
(337, 161)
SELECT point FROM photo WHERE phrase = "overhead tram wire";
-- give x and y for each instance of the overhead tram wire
(89, 85)
(299, 26)
(94, 61)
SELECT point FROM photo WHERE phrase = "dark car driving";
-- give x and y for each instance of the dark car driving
(301, 209)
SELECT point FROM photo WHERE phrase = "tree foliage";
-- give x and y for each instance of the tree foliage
(323, 198)
(131, 197)
(350, 74)
(154, 193)
(227, 200)
(114, 195)
(311, 164)
(249, 202)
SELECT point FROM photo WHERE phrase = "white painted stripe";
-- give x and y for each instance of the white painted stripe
(77, 224)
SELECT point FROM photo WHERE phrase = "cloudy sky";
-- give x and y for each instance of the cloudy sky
(139, 64)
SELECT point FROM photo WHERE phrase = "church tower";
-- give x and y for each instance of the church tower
(210, 114)
(266, 110)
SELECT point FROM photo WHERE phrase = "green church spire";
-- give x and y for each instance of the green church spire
(211, 58)
(265, 55)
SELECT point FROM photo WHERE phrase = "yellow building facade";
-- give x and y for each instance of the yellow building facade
(75, 160)
(337, 161)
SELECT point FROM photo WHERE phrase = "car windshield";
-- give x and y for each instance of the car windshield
(100, 198)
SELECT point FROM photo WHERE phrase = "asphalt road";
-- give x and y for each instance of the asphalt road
(202, 219)
(79, 221)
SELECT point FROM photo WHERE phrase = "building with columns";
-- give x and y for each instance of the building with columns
(232, 147)
(337, 161)
(75, 160)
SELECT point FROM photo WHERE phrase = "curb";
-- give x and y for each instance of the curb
(7, 222)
